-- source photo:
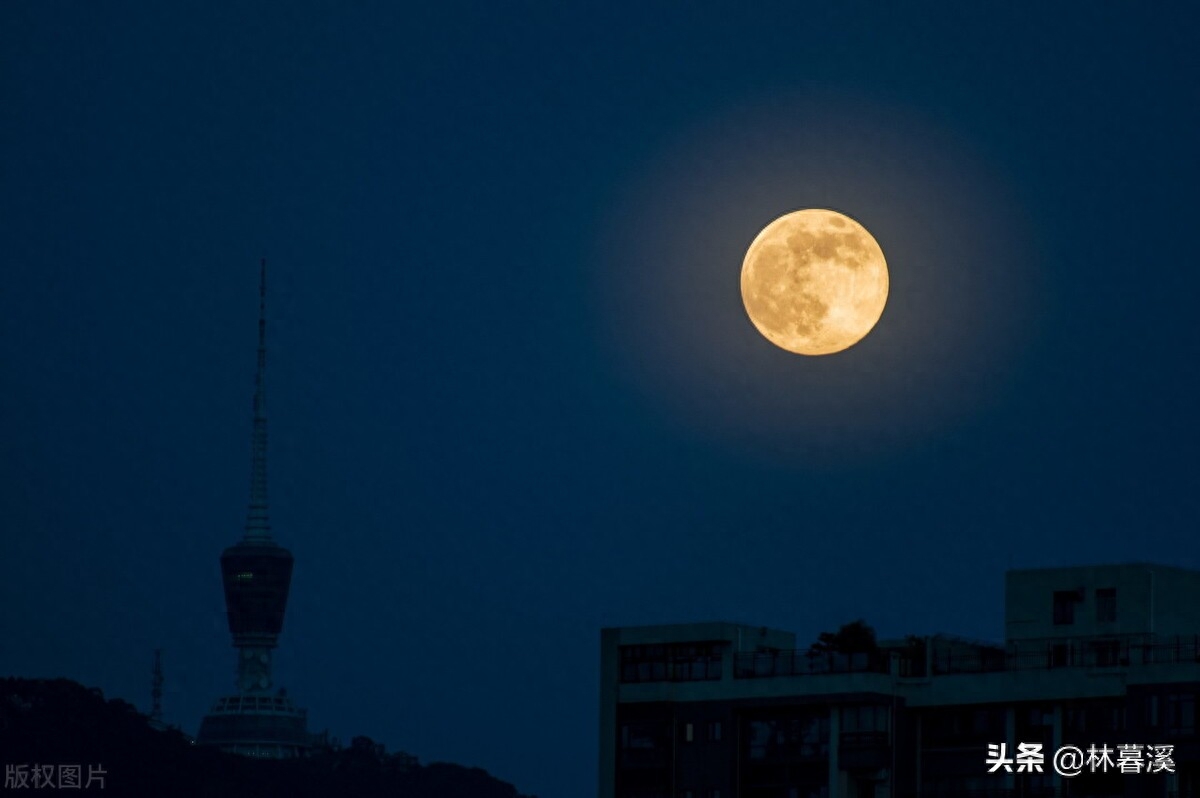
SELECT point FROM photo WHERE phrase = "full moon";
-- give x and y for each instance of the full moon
(814, 282)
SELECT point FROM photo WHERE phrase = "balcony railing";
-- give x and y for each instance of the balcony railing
(766, 664)
(1046, 654)
(1080, 652)
(688, 670)
(1024, 791)
(674, 662)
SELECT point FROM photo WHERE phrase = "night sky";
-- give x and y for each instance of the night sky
(513, 393)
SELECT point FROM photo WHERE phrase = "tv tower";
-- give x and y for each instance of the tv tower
(257, 573)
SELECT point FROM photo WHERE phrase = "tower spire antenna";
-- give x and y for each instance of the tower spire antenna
(257, 525)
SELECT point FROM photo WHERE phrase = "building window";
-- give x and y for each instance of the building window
(643, 663)
(639, 736)
(676, 662)
(1106, 605)
(960, 727)
(1106, 653)
(1039, 717)
(1181, 713)
(687, 732)
(1106, 718)
(864, 718)
(644, 744)
(1064, 606)
(799, 737)
(1097, 717)
(714, 731)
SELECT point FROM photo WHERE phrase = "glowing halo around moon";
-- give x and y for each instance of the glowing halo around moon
(814, 282)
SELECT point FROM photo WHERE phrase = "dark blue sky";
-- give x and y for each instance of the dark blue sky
(513, 394)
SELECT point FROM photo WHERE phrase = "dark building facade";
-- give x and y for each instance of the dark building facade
(1107, 655)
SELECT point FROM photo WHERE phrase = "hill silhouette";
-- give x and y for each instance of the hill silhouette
(59, 722)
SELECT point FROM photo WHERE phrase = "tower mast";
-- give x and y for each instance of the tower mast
(257, 526)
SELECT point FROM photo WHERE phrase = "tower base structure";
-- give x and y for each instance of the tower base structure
(258, 725)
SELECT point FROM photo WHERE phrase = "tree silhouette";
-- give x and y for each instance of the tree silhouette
(856, 637)
(61, 722)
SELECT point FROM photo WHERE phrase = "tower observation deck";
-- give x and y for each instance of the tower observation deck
(257, 573)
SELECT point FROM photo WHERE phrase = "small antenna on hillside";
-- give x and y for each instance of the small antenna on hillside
(156, 686)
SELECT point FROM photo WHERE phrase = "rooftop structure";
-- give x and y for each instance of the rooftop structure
(1092, 655)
